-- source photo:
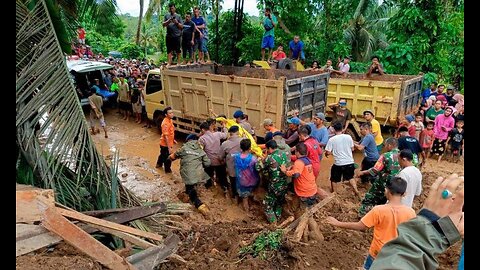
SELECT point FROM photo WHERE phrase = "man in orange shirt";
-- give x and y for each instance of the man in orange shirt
(166, 141)
(302, 175)
(383, 218)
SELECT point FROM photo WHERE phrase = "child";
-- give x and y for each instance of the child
(192, 161)
(383, 218)
(456, 139)
(418, 124)
(426, 138)
(302, 175)
(247, 175)
(277, 185)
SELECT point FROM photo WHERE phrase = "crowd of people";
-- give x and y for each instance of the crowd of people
(288, 164)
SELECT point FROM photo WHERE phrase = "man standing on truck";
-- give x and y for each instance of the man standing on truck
(173, 23)
(269, 24)
(188, 38)
(201, 25)
(376, 130)
(166, 141)
(296, 49)
(341, 113)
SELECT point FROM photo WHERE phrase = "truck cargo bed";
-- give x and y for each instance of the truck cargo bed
(193, 91)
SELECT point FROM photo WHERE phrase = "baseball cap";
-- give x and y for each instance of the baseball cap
(238, 114)
(267, 122)
(321, 116)
(294, 120)
(450, 87)
(410, 118)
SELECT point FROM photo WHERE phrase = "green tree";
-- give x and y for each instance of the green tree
(140, 16)
(249, 44)
(365, 33)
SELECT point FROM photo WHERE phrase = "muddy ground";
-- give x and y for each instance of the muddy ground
(214, 243)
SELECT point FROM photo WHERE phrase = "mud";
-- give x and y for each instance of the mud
(215, 243)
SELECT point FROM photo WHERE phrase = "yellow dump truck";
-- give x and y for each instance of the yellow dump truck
(390, 96)
(194, 91)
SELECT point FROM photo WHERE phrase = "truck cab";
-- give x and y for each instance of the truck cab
(155, 101)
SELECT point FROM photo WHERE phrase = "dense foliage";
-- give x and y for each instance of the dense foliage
(409, 36)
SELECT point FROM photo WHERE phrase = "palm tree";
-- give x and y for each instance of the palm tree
(146, 38)
(155, 6)
(366, 30)
(54, 147)
(140, 17)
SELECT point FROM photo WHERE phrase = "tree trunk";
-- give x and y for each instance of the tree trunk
(140, 17)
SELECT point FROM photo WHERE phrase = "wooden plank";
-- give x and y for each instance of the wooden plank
(152, 257)
(33, 237)
(122, 215)
(137, 213)
(31, 202)
(127, 237)
(108, 224)
(308, 214)
(75, 236)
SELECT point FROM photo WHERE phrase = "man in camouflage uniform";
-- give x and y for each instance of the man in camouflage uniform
(277, 185)
(385, 168)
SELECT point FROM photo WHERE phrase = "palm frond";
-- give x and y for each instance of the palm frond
(52, 133)
(155, 6)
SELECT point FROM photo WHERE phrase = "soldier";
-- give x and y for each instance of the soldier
(277, 181)
(192, 162)
(386, 168)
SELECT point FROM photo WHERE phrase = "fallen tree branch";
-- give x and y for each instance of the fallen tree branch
(308, 214)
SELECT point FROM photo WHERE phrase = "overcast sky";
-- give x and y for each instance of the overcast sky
(132, 6)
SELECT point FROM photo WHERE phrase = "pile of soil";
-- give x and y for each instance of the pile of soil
(62, 257)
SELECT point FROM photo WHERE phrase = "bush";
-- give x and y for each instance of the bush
(359, 67)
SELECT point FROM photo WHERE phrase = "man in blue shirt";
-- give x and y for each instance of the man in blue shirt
(369, 147)
(198, 45)
(319, 130)
(269, 24)
(432, 90)
(296, 49)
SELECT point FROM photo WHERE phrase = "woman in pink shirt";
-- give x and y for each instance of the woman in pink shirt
(443, 124)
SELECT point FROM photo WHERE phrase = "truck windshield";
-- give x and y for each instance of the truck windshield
(154, 83)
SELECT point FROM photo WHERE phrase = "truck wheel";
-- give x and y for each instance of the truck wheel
(352, 134)
(285, 63)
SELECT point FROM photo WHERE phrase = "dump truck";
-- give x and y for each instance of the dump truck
(391, 97)
(194, 92)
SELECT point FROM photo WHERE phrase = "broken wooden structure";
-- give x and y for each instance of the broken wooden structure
(42, 223)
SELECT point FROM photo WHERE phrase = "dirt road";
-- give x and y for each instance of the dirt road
(213, 244)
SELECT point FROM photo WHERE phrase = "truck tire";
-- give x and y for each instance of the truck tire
(285, 63)
(352, 134)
